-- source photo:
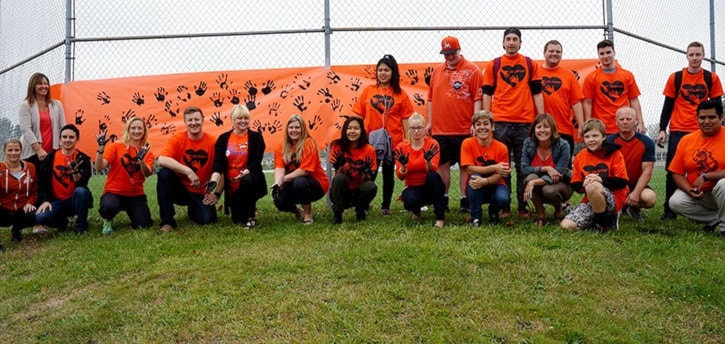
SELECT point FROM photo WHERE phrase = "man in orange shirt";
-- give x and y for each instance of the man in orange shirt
(609, 88)
(685, 90)
(698, 169)
(186, 166)
(512, 92)
(453, 97)
(562, 94)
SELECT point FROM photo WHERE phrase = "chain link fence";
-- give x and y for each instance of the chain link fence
(110, 39)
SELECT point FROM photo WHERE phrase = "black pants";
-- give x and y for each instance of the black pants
(18, 220)
(343, 197)
(302, 190)
(170, 191)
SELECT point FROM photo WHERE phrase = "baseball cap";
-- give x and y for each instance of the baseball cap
(450, 45)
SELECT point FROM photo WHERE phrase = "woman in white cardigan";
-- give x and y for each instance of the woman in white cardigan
(40, 118)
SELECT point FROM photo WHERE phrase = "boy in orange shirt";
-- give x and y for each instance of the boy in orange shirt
(601, 174)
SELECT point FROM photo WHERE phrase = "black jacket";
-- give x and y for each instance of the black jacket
(254, 161)
(45, 176)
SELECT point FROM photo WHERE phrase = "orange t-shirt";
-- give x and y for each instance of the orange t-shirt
(452, 93)
(62, 181)
(373, 104)
(417, 168)
(637, 150)
(693, 91)
(475, 154)
(196, 154)
(309, 162)
(612, 166)
(561, 91)
(125, 177)
(697, 154)
(608, 93)
(357, 160)
(237, 157)
(512, 100)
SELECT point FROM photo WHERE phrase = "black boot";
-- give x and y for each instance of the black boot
(337, 219)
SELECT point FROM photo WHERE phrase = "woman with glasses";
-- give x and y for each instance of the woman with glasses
(417, 165)
(385, 105)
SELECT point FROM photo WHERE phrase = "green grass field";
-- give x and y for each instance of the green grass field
(384, 280)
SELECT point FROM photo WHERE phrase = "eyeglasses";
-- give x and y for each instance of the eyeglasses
(416, 128)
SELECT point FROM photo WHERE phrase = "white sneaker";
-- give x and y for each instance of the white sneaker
(39, 229)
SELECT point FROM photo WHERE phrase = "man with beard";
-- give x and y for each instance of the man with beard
(186, 166)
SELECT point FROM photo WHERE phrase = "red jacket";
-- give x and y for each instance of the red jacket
(15, 193)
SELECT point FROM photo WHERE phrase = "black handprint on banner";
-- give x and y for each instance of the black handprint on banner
(336, 105)
(285, 91)
(301, 82)
(221, 80)
(340, 121)
(315, 122)
(257, 126)
(234, 96)
(300, 103)
(102, 126)
(200, 89)
(418, 98)
(104, 98)
(426, 75)
(413, 75)
(355, 84)
(216, 118)
(354, 101)
(161, 94)
(369, 72)
(79, 117)
(325, 92)
(184, 94)
(138, 98)
(268, 87)
(151, 121)
(251, 88)
(334, 78)
(168, 128)
(273, 109)
(217, 99)
(168, 107)
(251, 102)
(127, 115)
(274, 127)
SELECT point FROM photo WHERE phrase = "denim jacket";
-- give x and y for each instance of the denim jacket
(559, 153)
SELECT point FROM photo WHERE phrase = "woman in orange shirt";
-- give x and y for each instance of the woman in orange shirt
(354, 161)
(18, 190)
(129, 162)
(417, 165)
(298, 174)
(386, 105)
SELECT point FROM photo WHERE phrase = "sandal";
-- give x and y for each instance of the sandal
(299, 213)
(308, 222)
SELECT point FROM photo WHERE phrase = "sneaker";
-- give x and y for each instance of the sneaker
(567, 208)
(710, 228)
(337, 219)
(465, 207)
(165, 229)
(524, 214)
(476, 223)
(505, 214)
(635, 214)
(107, 227)
(360, 215)
(668, 215)
(39, 229)
(614, 221)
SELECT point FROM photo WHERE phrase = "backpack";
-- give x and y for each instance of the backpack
(706, 74)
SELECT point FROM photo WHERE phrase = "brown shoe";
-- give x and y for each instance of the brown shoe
(165, 229)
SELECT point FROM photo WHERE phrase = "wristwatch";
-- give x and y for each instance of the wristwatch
(704, 176)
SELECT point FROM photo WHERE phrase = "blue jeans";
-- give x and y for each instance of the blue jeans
(171, 191)
(77, 205)
(432, 192)
(497, 195)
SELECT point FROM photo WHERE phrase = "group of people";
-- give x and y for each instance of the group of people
(513, 115)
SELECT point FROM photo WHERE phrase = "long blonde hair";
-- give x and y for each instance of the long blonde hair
(126, 138)
(287, 152)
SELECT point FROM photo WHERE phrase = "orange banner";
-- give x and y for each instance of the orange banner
(323, 97)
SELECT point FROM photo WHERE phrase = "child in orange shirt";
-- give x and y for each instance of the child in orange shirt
(601, 174)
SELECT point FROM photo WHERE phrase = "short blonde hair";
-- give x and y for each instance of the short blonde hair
(239, 111)
(481, 114)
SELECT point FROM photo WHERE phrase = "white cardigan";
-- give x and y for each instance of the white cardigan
(29, 120)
